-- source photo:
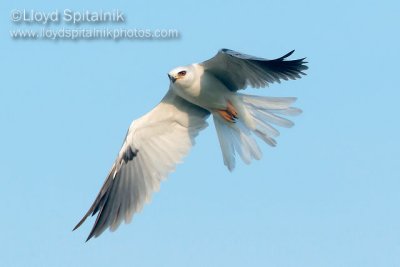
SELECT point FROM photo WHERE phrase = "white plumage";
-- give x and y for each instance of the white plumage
(159, 140)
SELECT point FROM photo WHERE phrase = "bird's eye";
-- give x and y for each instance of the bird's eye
(182, 73)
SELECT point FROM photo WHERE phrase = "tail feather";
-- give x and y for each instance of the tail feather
(291, 111)
(246, 145)
(225, 141)
(266, 128)
(267, 116)
(265, 102)
(267, 139)
(238, 137)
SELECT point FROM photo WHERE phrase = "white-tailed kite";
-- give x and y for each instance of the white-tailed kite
(159, 140)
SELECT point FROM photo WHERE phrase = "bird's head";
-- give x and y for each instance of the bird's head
(182, 76)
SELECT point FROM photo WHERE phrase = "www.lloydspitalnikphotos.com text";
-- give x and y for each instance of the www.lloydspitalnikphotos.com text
(67, 24)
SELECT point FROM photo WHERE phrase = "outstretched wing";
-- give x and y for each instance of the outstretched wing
(237, 70)
(154, 144)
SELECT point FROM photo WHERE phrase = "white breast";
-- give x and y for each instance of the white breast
(205, 90)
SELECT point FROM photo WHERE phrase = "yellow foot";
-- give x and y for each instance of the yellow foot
(229, 114)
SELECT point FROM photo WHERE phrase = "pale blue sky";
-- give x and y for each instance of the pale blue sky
(328, 195)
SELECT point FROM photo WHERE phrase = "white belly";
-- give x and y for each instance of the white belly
(207, 92)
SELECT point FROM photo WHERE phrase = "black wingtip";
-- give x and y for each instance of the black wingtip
(77, 226)
(94, 232)
(81, 221)
(88, 238)
(287, 55)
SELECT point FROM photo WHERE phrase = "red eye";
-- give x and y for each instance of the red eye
(182, 73)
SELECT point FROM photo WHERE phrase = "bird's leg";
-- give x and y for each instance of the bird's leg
(231, 110)
(229, 114)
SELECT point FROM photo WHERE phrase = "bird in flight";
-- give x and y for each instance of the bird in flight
(159, 140)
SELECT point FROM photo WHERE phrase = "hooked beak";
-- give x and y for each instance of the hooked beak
(171, 78)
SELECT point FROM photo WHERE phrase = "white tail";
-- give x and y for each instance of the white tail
(255, 116)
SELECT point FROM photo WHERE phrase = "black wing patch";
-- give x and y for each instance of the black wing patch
(129, 154)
